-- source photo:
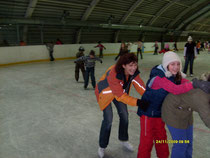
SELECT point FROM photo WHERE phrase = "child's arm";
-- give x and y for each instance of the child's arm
(170, 86)
(103, 46)
(99, 59)
(80, 59)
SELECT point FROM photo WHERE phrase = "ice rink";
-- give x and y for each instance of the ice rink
(45, 113)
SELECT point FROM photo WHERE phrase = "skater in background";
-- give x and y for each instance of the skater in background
(209, 47)
(206, 44)
(80, 64)
(177, 113)
(190, 54)
(202, 46)
(166, 49)
(22, 43)
(139, 48)
(114, 86)
(123, 50)
(101, 48)
(50, 47)
(58, 42)
(156, 48)
(175, 47)
(129, 45)
(142, 48)
(89, 67)
(198, 46)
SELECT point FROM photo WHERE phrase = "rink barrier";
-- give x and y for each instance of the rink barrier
(47, 60)
(66, 58)
(14, 55)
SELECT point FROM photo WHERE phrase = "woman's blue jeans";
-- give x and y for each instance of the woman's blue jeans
(107, 123)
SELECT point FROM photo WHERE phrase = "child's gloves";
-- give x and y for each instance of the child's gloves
(203, 85)
(142, 104)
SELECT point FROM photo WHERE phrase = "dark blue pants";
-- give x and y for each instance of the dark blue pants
(101, 53)
(139, 51)
(187, 60)
(182, 149)
(156, 51)
(51, 56)
(107, 123)
(91, 71)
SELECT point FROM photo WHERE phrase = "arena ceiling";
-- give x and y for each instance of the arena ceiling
(83, 18)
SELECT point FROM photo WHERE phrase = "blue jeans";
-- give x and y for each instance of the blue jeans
(91, 71)
(107, 123)
(182, 150)
(187, 60)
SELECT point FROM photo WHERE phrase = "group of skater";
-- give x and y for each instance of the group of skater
(126, 48)
(168, 98)
(191, 52)
(87, 63)
(87, 66)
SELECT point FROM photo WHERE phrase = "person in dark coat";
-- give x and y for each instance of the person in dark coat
(190, 54)
(80, 64)
(177, 113)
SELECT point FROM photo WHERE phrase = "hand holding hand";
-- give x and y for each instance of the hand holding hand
(143, 104)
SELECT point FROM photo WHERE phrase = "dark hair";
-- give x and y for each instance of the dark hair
(92, 52)
(124, 60)
(178, 78)
(208, 79)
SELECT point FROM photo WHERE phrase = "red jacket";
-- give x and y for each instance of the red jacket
(164, 50)
(101, 47)
(111, 87)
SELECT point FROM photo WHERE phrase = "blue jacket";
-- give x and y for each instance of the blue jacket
(154, 97)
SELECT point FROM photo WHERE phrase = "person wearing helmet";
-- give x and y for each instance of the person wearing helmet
(80, 64)
(89, 62)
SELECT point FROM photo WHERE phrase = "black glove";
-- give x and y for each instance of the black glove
(203, 85)
(101, 62)
(143, 104)
(75, 62)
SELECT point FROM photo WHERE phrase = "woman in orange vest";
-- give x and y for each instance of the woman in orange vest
(114, 86)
